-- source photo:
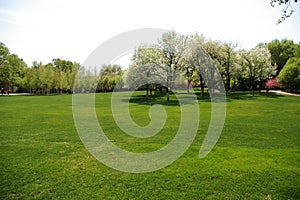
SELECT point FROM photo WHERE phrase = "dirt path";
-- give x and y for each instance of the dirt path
(284, 93)
(13, 94)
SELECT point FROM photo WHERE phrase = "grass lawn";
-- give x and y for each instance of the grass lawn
(256, 157)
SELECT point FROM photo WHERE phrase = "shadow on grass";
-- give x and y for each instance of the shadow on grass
(204, 97)
(249, 96)
(152, 100)
(162, 99)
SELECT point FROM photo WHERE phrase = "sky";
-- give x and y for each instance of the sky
(40, 30)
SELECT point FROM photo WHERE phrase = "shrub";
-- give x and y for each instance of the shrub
(289, 76)
(272, 84)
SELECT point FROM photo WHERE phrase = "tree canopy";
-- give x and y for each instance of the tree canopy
(12, 69)
(281, 51)
(188, 55)
(160, 66)
(110, 77)
(289, 76)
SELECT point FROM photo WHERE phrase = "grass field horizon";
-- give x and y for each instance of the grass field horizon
(256, 157)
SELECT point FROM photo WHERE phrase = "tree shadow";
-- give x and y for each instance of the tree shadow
(152, 100)
(189, 99)
(161, 99)
(203, 97)
(248, 95)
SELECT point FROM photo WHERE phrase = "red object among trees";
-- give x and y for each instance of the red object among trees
(272, 84)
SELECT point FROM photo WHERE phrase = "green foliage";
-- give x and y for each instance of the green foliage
(158, 64)
(161, 64)
(56, 77)
(225, 58)
(257, 155)
(4, 52)
(289, 76)
(172, 45)
(176, 53)
(147, 68)
(281, 51)
(110, 77)
(257, 66)
(12, 69)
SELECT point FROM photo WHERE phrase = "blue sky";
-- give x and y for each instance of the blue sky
(45, 29)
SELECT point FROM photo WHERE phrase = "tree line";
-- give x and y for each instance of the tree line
(240, 69)
(273, 64)
(56, 77)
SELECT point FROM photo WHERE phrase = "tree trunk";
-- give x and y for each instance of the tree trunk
(147, 90)
(188, 86)
(168, 81)
(201, 84)
(228, 85)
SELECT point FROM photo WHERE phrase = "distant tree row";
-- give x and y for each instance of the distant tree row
(57, 77)
(109, 77)
(276, 62)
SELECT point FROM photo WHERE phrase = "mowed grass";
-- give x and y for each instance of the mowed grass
(256, 157)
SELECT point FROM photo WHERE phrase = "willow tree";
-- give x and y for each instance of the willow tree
(110, 76)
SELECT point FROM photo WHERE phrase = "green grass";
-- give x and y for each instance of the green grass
(257, 154)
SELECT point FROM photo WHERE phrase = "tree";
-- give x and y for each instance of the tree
(217, 53)
(257, 66)
(237, 72)
(110, 71)
(228, 64)
(35, 81)
(4, 52)
(72, 75)
(12, 69)
(289, 76)
(55, 77)
(84, 80)
(224, 56)
(281, 51)
(172, 46)
(65, 72)
(287, 10)
(272, 84)
(146, 70)
(29, 80)
(16, 70)
(195, 60)
(109, 77)
(4, 66)
(46, 78)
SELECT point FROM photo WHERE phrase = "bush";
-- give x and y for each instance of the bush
(289, 76)
(272, 84)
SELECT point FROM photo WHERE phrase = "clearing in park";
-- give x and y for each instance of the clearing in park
(256, 157)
